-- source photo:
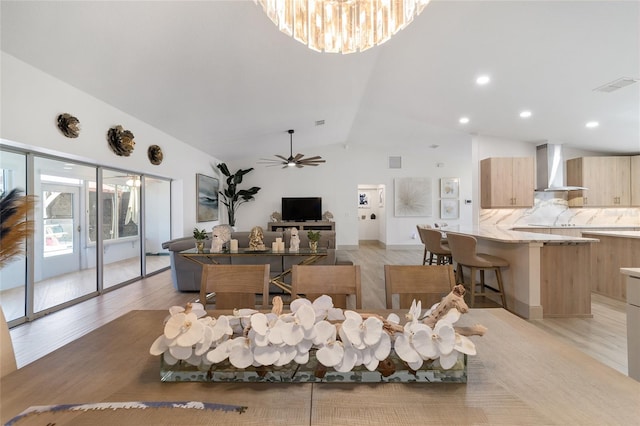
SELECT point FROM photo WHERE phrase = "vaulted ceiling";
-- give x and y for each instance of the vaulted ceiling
(220, 76)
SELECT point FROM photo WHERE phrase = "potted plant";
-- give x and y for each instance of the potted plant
(232, 197)
(314, 237)
(200, 236)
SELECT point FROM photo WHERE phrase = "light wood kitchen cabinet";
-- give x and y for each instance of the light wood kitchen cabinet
(506, 182)
(635, 181)
(607, 180)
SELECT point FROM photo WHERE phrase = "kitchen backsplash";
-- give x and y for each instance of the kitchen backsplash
(550, 210)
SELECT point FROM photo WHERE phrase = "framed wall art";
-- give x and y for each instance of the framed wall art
(449, 187)
(363, 200)
(449, 209)
(207, 202)
(413, 197)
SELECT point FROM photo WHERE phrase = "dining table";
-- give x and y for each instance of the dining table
(520, 375)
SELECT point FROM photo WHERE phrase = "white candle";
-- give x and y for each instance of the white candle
(281, 246)
(274, 246)
(233, 245)
(278, 240)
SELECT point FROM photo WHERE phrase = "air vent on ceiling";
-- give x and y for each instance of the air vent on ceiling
(320, 123)
(395, 162)
(616, 84)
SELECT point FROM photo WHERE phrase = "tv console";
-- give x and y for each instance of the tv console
(320, 225)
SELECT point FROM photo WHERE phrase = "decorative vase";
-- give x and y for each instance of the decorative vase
(200, 246)
(313, 245)
(392, 370)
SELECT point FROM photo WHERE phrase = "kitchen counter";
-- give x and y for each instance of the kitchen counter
(632, 272)
(507, 235)
(616, 249)
(561, 226)
(612, 233)
(548, 275)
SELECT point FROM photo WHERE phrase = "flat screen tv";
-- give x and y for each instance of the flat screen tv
(301, 209)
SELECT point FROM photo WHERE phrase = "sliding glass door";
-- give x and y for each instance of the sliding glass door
(157, 223)
(95, 229)
(65, 264)
(121, 244)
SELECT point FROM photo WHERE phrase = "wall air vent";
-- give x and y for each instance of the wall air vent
(616, 84)
(319, 122)
(395, 162)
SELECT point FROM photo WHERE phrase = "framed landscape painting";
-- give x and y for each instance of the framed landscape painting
(207, 203)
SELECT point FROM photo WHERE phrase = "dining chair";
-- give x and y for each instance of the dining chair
(423, 239)
(436, 247)
(427, 283)
(235, 286)
(337, 281)
(464, 252)
(7, 355)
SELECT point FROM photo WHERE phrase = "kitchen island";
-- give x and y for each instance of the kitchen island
(616, 249)
(548, 275)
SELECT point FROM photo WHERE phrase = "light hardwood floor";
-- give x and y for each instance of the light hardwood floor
(603, 337)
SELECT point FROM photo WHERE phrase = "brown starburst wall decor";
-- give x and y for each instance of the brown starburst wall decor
(69, 125)
(155, 154)
(121, 141)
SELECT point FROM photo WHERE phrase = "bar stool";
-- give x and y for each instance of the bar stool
(463, 250)
(437, 247)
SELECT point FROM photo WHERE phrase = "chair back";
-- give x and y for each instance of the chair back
(7, 355)
(427, 283)
(235, 286)
(433, 239)
(421, 233)
(337, 281)
(463, 250)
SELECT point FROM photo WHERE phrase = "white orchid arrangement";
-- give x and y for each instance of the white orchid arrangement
(342, 340)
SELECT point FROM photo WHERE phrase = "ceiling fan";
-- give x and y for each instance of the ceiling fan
(291, 161)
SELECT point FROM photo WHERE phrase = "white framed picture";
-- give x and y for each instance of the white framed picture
(449, 187)
(449, 209)
(363, 200)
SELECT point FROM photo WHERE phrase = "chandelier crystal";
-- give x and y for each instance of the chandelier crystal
(341, 26)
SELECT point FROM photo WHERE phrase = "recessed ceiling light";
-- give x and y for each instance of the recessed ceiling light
(525, 114)
(592, 124)
(483, 79)
(463, 120)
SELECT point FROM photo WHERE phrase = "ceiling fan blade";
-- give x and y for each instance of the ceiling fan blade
(299, 165)
(316, 158)
(283, 158)
(298, 157)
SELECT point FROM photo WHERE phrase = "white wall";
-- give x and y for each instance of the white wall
(364, 160)
(30, 103)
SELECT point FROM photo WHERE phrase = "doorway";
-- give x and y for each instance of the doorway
(371, 213)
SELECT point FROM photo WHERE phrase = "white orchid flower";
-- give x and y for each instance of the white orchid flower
(184, 328)
(331, 351)
(324, 309)
(361, 334)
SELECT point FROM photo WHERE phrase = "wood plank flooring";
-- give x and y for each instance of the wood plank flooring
(602, 337)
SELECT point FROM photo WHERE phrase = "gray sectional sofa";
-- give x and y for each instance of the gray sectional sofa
(186, 274)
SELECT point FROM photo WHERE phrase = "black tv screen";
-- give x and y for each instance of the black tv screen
(300, 209)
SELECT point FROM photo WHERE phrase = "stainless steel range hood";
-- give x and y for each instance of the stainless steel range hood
(550, 169)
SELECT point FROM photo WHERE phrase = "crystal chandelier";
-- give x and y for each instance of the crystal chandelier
(341, 26)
